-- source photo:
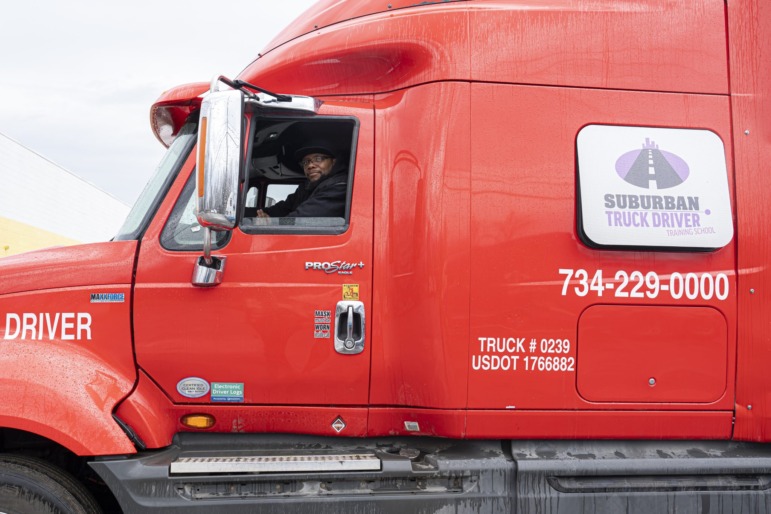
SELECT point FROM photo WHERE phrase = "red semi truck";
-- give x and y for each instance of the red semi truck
(549, 291)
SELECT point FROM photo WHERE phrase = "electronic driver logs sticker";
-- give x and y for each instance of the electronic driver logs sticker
(653, 187)
(227, 392)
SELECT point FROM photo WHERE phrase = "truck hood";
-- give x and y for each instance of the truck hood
(69, 266)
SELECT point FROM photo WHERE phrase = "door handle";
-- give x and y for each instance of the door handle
(349, 327)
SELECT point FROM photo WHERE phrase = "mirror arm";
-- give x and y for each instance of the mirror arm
(242, 85)
(279, 97)
(207, 246)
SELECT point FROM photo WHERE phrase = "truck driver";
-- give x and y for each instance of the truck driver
(324, 190)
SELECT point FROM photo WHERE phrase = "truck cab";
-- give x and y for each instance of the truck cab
(545, 291)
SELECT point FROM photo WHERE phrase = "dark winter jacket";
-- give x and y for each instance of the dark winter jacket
(320, 199)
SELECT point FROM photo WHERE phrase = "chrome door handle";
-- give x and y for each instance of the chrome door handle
(349, 327)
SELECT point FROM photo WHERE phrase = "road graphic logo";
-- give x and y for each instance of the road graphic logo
(652, 168)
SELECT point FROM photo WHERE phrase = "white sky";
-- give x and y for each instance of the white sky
(78, 77)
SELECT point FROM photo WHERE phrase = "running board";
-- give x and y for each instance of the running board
(275, 464)
(277, 473)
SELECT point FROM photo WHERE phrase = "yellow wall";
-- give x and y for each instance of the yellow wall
(17, 237)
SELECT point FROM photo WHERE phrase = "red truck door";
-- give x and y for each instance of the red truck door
(265, 336)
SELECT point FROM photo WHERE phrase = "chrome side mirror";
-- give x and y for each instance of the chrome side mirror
(218, 173)
(220, 158)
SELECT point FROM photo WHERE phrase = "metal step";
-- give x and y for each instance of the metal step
(239, 474)
(275, 464)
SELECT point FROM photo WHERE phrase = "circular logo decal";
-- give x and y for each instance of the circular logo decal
(193, 387)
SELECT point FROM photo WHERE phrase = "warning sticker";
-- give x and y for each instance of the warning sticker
(350, 291)
(322, 321)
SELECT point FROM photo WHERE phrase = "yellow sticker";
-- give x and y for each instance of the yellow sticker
(350, 291)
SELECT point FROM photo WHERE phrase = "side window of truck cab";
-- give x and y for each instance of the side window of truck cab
(299, 176)
(298, 180)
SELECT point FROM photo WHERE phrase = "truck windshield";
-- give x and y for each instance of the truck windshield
(156, 188)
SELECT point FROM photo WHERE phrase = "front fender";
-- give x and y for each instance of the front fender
(66, 357)
(63, 393)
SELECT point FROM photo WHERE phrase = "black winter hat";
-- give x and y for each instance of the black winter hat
(315, 146)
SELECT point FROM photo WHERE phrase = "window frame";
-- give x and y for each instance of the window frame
(283, 226)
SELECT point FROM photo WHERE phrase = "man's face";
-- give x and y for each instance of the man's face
(317, 165)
